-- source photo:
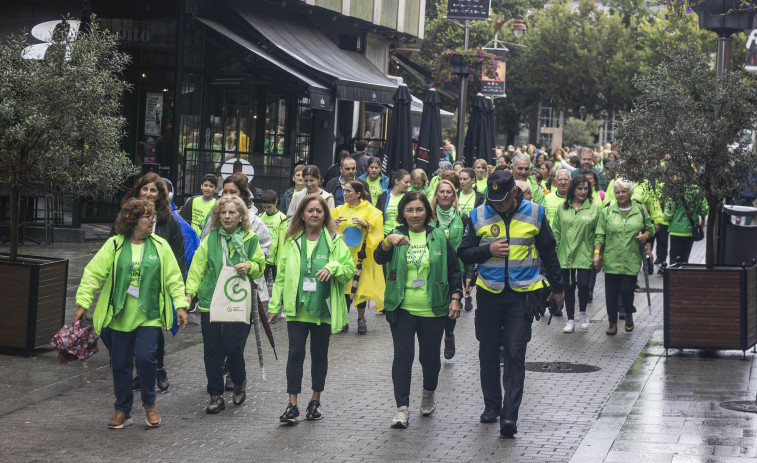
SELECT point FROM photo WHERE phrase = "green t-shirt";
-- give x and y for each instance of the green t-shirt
(467, 202)
(302, 314)
(481, 186)
(131, 316)
(374, 187)
(416, 299)
(390, 218)
(200, 210)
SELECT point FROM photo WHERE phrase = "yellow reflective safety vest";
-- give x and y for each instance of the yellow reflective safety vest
(521, 267)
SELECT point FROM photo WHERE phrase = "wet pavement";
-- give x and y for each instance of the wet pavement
(639, 406)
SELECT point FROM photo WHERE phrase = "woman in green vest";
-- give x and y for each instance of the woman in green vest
(423, 289)
(574, 226)
(622, 231)
(452, 221)
(314, 265)
(137, 274)
(230, 242)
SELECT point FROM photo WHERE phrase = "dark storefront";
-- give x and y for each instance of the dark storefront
(223, 85)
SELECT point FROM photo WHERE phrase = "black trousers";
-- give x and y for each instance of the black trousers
(161, 349)
(680, 246)
(319, 354)
(619, 286)
(221, 340)
(661, 241)
(503, 319)
(429, 331)
(573, 278)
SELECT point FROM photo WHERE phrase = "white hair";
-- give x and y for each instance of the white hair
(521, 157)
(562, 170)
(624, 184)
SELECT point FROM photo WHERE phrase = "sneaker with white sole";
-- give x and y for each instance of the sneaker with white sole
(428, 405)
(401, 418)
(570, 326)
(583, 319)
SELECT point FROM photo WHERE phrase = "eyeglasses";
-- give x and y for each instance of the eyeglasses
(151, 218)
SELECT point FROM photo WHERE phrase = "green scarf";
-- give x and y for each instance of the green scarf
(315, 301)
(236, 241)
(445, 217)
(149, 287)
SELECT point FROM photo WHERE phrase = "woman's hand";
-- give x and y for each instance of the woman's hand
(323, 275)
(597, 262)
(80, 313)
(395, 239)
(360, 222)
(468, 287)
(642, 238)
(272, 317)
(189, 300)
(339, 220)
(243, 268)
(182, 318)
(454, 309)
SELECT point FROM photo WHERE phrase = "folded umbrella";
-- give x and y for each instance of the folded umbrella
(266, 327)
(74, 341)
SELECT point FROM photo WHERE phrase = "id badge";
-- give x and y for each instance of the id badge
(418, 282)
(133, 291)
(309, 284)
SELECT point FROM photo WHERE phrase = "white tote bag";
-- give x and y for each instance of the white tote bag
(232, 296)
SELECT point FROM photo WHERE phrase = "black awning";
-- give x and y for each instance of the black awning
(320, 96)
(357, 79)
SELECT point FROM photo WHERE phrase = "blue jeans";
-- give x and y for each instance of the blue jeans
(128, 348)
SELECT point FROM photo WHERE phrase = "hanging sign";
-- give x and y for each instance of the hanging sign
(495, 86)
(468, 9)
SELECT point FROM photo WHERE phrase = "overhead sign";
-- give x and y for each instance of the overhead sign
(751, 51)
(495, 86)
(468, 9)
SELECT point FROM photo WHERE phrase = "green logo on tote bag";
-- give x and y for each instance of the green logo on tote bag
(233, 291)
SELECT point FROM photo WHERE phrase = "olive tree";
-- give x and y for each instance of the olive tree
(685, 130)
(60, 116)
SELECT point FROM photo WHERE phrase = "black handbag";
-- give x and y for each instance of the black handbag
(697, 233)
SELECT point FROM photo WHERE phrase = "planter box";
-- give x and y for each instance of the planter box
(710, 308)
(33, 301)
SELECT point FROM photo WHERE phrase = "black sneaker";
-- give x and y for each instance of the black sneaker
(489, 416)
(163, 380)
(313, 412)
(449, 347)
(346, 328)
(216, 405)
(291, 414)
(557, 313)
(621, 315)
(507, 428)
(135, 383)
(468, 303)
(229, 384)
(239, 393)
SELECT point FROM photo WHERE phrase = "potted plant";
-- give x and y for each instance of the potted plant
(60, 123)
(684, 132)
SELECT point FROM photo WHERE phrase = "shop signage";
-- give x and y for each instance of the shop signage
(468, 9)
(495, 86)
(155, 33)
(153, 113)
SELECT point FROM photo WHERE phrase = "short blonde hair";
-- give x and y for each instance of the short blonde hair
(523, 186)
(215, 214)
(623, 183)
(419, 173)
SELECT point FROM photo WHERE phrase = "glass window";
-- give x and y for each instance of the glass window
(372, 126)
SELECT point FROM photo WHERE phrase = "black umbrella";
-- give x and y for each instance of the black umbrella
(477, 139)
(492, 127)
(430, 136)
(398, 150)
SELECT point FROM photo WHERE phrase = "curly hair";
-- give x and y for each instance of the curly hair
(414, 196)
(162, 204)
(298, 221)
(215, 213)
(242, 183)
(130, 213)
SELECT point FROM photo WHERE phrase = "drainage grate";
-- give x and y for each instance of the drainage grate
(740, 406)
(560, 367)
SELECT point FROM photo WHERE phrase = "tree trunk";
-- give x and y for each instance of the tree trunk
(712, 220)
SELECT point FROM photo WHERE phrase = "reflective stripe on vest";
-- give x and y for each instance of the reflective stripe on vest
(522, 262)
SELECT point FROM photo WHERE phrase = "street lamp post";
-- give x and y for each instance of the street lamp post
(463, 92)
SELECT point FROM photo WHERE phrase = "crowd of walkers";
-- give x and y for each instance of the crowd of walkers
(522, 235)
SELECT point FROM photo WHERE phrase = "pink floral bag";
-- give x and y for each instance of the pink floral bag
(74, 341)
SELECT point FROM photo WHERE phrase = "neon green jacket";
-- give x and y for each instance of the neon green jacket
(642, 193)
(287, 282)
(536, 191)
(622, 252)
(574, 234)
(100, 273)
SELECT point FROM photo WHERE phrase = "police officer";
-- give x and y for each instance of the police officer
(503, 238)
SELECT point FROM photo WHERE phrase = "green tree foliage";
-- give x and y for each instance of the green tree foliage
(60, 118)
(580, 132)
(682, 115)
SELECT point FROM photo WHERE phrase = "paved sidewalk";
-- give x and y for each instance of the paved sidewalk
(53, 412)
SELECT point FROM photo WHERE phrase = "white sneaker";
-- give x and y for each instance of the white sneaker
(428, 405)
(583, 319)
(401, 417)
(569, 327)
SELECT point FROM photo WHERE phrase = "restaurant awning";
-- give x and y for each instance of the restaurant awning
(320, 96)
(356, 78)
